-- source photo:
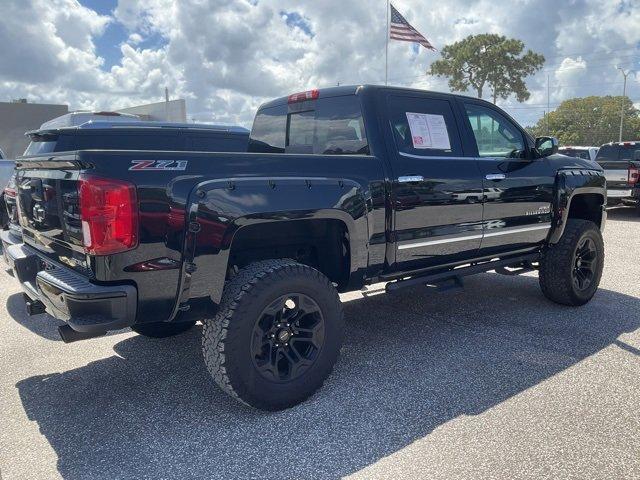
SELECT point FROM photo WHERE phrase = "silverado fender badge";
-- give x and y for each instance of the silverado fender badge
(540, 211)
(158, 165)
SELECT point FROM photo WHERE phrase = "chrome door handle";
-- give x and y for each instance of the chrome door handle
(495, 176)
(410, 178)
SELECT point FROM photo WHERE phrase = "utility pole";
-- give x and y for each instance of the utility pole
(548, 109)
(624, 94)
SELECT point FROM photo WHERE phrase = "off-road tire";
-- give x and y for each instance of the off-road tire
(226, 338)
(162, 329)
(558, 261)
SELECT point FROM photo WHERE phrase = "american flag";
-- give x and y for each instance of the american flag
(401, 30)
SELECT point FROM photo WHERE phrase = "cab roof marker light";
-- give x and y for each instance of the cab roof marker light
(303, 96)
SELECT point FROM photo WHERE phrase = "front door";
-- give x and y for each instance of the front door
(437, 191)
(517, 187)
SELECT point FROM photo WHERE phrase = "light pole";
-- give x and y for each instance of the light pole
(624, 94)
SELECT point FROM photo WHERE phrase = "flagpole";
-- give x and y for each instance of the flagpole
(386, 49)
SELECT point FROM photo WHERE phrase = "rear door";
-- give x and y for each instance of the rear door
(517, 190)
(437, 191)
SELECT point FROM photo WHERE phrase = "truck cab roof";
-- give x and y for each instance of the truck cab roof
(349, 90)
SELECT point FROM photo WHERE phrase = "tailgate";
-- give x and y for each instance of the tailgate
(48, 207)
(616, 173)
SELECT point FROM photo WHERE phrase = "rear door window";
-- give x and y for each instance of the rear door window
(424, 127)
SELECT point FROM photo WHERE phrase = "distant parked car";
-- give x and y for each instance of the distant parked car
(588, 153)
(621, 163)
(137, 135)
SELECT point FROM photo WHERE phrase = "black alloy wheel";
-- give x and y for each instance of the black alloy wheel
(584, 261)
(287, 337)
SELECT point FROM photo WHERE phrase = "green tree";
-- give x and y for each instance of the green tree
(590, 121)
(488, 61)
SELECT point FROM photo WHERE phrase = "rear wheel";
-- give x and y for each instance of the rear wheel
(570, 270)
(162, 329)
(276, 335)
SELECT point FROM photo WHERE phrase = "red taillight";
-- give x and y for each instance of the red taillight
(633, 176)
(10, 192)
(302, 96)
(109, 214)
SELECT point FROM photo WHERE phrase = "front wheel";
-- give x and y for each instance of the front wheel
(570, 270)
(276, 335)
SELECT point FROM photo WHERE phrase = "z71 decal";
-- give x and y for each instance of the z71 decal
(158, 165)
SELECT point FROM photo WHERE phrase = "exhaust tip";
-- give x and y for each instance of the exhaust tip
(69, 335)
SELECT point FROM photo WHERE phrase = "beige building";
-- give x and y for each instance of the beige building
(169, 111)
(18, 117)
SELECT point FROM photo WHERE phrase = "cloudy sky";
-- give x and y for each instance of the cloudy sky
(227, 56)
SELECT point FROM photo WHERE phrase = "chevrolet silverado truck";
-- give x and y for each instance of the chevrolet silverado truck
(340, 188)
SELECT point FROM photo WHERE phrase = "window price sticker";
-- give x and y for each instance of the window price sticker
(428, 131)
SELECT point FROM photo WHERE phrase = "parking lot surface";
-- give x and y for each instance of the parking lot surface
(490, 382)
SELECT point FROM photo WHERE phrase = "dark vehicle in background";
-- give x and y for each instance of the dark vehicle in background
(621, 164)
(112, 131)
(340, 188)
(6, 172)
(588, 153)
(138, 135)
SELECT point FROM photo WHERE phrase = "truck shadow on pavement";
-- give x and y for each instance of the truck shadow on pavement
(411, 362)
(625, 214)
(42, 325)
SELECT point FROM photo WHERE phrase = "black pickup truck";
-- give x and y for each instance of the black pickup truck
(341, 187)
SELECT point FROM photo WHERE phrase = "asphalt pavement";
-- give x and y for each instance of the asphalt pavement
(490, 382)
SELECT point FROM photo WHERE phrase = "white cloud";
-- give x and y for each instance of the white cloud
(227, 56)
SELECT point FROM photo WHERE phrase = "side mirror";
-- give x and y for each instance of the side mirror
(546, 146)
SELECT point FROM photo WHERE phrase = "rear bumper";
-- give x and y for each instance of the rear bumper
(8, 238)
(71, 297)
(619, 192)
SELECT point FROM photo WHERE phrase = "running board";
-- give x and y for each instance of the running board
(452, 279)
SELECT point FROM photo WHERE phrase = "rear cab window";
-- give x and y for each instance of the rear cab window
(329, 126)
(630, 152)
(618, 156)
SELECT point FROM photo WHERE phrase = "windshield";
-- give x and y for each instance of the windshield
(569, 152)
